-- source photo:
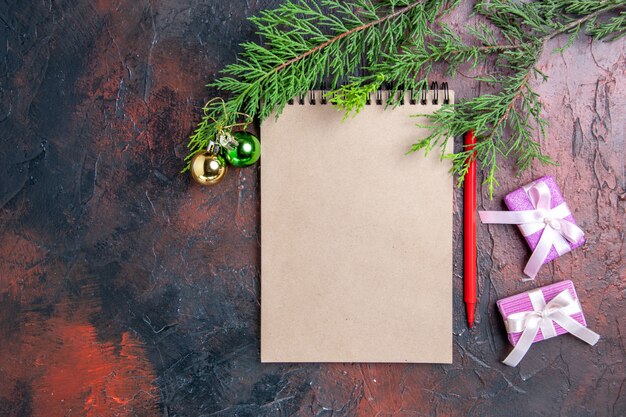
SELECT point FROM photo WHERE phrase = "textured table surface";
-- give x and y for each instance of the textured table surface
(127, 290)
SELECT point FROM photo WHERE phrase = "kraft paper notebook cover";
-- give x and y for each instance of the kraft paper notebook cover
(356, 238)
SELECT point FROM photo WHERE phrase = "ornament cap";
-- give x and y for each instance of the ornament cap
(227, 141)
(213, 148)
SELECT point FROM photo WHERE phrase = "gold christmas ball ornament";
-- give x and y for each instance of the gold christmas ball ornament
(207, 169)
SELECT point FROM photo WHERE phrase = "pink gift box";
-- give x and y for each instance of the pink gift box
(521, 303)
(519, 200)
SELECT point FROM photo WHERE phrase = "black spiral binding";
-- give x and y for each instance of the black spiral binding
(446, 93)
(379, 96)
(435, 88)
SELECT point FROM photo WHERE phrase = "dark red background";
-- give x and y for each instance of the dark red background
(127, 290)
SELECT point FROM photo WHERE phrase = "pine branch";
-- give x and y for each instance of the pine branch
(517, 107)
(399, 41)
(610, 30)
(346, 34)
(304, 44)
(517, 95)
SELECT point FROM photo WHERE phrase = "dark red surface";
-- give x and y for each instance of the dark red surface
(127, 290)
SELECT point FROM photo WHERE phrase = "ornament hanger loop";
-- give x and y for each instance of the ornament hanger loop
(222, 123)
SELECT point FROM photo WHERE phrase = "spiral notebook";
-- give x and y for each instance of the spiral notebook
(356, 236)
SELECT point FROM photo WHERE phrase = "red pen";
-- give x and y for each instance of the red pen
(469, 233)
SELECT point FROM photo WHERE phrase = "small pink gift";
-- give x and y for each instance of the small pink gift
(541, 214)
(540, 314)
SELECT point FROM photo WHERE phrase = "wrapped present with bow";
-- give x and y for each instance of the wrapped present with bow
(542, 215)
(540, 314)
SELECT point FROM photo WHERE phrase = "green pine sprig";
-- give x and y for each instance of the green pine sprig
(366, 42)
(514, 35)
(304, 43)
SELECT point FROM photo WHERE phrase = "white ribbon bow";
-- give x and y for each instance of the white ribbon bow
(555, 228)
(558, 310)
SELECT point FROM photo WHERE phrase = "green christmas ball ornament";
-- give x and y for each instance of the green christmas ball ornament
(246, 153)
